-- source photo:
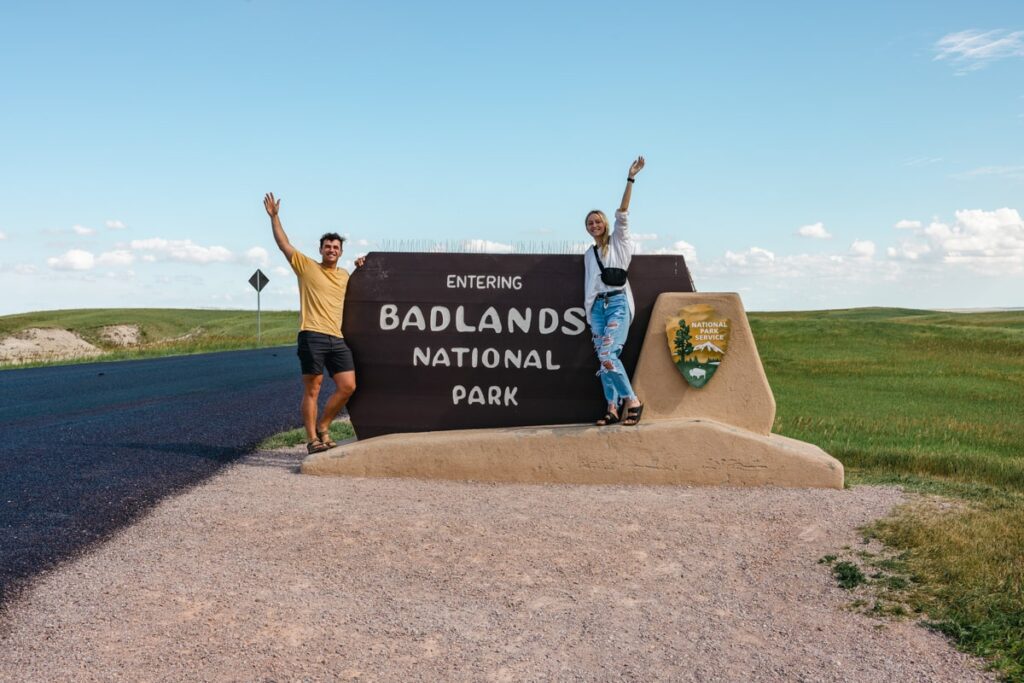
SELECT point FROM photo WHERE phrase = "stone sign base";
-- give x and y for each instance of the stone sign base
(680, 451)
(717, 434)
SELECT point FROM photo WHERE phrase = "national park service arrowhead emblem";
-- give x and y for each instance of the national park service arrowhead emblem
(697, 340)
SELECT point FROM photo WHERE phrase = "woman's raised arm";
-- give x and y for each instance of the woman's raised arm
(635, 168)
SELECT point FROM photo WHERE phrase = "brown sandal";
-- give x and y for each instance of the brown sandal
(325, 439)
(316, 446)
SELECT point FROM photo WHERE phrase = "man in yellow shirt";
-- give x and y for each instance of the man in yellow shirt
(321, 343)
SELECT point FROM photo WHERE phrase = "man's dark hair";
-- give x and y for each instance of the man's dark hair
(331, 236)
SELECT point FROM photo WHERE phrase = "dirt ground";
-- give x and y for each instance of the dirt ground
(122, 335)
(264, 574)
(36, 343)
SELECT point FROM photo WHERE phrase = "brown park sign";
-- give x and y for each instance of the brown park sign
(462, 341)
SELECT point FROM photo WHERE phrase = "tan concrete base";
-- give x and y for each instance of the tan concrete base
(675, 451)
(738, 394)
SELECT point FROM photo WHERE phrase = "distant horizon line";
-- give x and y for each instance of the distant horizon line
(976, 309)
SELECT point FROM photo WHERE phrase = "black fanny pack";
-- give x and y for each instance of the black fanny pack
(613, 277)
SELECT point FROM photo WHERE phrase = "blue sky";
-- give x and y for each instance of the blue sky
(804, 154)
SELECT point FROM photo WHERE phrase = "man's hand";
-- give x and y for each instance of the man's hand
(360, 261)
(636, 167)
(271, 205)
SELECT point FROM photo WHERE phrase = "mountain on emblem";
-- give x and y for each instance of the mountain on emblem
(697, 339)
(708, 346)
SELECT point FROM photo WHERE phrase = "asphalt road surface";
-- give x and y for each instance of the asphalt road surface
(86, 449)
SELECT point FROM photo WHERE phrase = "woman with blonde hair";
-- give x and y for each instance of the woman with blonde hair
(608, 302)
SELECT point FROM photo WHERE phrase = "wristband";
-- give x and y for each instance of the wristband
(630, 180)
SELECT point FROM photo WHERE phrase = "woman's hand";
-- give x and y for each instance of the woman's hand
(636, 167)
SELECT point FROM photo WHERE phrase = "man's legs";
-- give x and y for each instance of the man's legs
(341, 368)
(316, 351)
(344, 385)
(311, 392)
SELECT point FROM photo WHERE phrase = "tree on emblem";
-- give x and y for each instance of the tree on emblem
(683, 346)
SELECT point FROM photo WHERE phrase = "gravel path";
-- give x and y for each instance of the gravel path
(262, 574)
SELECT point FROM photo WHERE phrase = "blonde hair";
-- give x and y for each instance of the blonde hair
(607, 229)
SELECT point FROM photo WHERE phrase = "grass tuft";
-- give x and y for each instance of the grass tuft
(969, 572)
(340, 430)
(848, 575)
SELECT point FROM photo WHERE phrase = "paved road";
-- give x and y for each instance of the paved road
(86, 449)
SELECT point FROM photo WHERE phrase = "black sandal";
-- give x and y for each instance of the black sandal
(316, 446)
(325, 439)
(633, 414)
(609, 418)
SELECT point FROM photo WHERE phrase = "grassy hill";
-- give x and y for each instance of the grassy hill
(164, 331)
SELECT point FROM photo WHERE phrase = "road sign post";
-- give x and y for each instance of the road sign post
(258, 282)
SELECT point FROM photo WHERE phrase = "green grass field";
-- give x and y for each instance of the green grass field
(930, 401)
(933, 402)
(897, 391)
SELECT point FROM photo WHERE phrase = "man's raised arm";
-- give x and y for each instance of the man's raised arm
(273, 206)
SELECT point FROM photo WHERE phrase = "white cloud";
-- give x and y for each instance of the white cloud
(479, 246)
(920, 161)
(773, 268)
(185, 251)
(25, 269)
(907, 225)
(1012, 172)
(257, 256)
(973, 49)
(644, 236)
(362, 243)
(75, 259)
(281, 270)
(985, 238)
(909, 251)
(862, 248)
(116, 225)
(118, 257)
(814, 231)
(3, 235)
(688, 251)
(755, 258)
(82, 230)
(989, 242)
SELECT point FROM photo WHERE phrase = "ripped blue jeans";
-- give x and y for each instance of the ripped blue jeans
(609, 324)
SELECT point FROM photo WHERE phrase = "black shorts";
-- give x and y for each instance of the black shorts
(317, 351)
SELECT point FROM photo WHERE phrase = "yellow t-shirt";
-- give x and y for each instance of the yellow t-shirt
(321, 295)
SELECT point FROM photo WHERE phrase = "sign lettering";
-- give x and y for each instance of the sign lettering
(459, 341)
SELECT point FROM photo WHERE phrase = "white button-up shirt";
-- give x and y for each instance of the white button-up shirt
(620, 253)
